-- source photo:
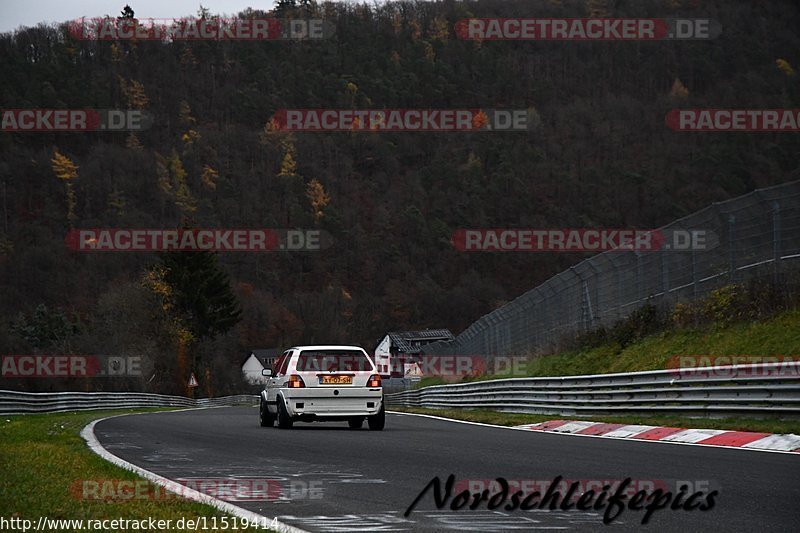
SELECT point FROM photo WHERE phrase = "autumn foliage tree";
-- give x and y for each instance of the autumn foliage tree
(598, 155)
(317, 197)
(66, 171)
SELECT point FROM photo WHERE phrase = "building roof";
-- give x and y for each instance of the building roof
(411, 341)
(262, 354)
(327, 347)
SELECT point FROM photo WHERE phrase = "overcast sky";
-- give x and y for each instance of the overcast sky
(16, 13)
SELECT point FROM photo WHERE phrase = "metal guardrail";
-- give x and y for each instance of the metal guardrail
(15, 402)
(741, 390)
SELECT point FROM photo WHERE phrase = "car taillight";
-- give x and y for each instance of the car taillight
(296, 382)
(374, 380)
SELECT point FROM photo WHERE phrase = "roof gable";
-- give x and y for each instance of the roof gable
(252, 361)
(261, 354)
(412, 341)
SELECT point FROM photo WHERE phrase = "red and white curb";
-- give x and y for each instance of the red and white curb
(708, 437)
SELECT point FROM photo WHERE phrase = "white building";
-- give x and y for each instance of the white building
(257, 361)
(400, 348)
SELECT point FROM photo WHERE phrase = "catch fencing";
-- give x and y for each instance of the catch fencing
(763, 390)
(15, 402)
(397, 384)
(753, 236)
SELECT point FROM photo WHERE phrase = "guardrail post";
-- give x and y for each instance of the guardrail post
(638, 277)
(588, 315)
(618, 287)
(586, 302)
(507, 339)
(731, 251)
(545, 321)
(595, 309)
(695, 286)
(776, 240)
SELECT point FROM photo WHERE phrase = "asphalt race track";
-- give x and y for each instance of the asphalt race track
(358, 480)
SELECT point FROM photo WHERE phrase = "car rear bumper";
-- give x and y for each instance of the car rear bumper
(324, 402)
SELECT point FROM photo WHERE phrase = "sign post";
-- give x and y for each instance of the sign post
(192, 384)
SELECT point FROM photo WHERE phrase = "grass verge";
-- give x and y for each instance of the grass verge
(515, 419)
(779, 335)
(43, 459)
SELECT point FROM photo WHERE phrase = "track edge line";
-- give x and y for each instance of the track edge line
(87, 433)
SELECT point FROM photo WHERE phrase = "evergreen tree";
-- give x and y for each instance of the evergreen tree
(202, 292)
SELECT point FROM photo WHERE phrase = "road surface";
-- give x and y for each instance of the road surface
(331, 478)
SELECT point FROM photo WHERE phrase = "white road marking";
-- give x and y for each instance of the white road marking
(782, 442)
(628, 431)
(91, 440)
(574, 427)
(450, 520)
(693, 435)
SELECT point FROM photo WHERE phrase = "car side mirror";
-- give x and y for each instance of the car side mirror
(266, 372)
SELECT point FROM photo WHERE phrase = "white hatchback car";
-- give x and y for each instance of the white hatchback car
(323, 383)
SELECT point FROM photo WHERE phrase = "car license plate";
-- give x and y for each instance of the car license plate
(336, 380)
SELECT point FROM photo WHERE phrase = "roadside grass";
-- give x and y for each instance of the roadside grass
(44, 460)
(428, 381)
(772, 425)
(779, 335)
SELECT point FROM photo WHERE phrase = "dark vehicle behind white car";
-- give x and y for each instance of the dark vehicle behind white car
(323, 384)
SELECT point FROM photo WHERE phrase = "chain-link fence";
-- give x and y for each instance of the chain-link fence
(755, 235)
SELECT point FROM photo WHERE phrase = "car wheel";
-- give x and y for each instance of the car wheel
(265, 418)
(378, 420)
(284, 420)
(356, 423)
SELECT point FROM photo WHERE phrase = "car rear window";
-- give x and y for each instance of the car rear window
(277, 365)
(284, 364)
(333, 360)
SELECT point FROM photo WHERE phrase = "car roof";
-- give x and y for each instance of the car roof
(327, 347)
